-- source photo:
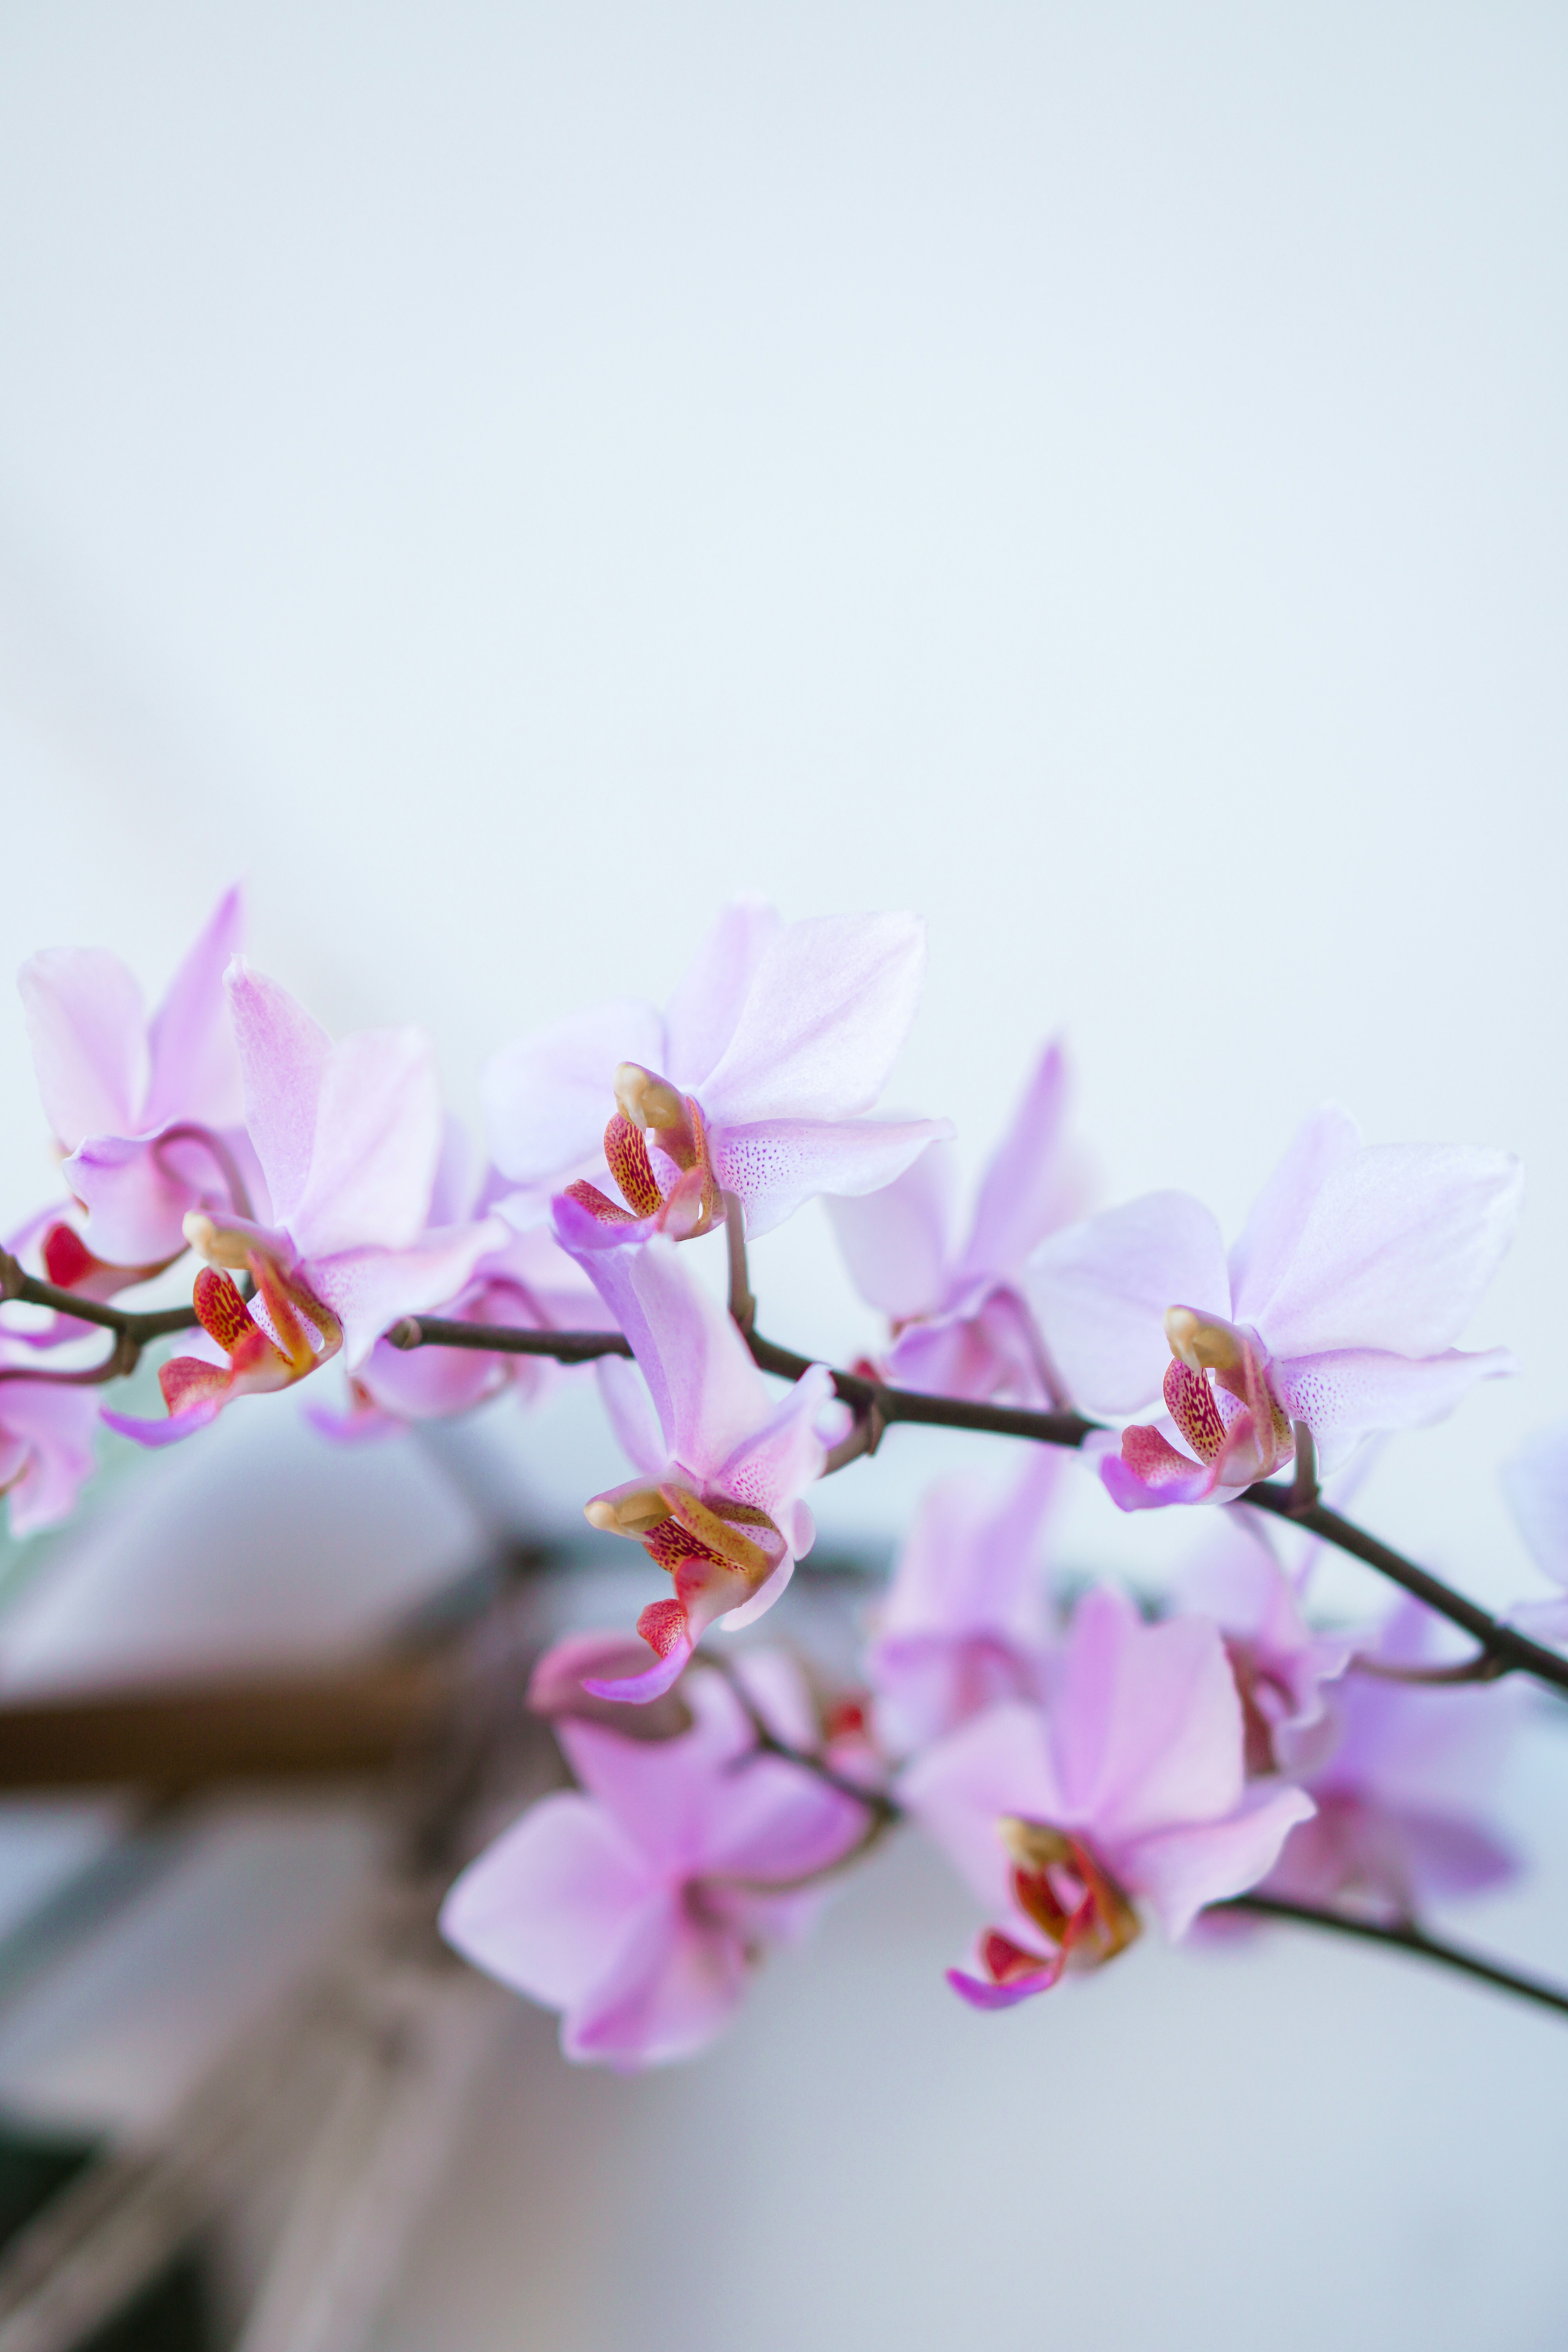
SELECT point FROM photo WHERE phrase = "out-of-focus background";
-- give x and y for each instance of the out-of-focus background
(501, 479)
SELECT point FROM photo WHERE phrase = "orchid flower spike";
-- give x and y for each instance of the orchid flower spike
(348, 1138)
(147, 1113)
(639, 1904)
(1358, 1268)
(961, 1324)
(722, 1465)
(1128, 1782)
(752, 1081)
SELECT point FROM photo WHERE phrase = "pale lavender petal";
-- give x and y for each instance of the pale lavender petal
(775, 1166)
(999, 1763)
(171, 1431)
(194, 1061)
(981, 1994)
(549, 1098)
(549, 1907)
(1030, 1188)
(989, 1348)
(135, 1201)
(283, 1055)
(87, 1027)
(1347, 1397)
(773, 1464)
(706, 1390)
(379, 1131)
(629, 1408)
(55, 1425)
(897, 1241)
(1398, 1246)
(771, 1821)
(368, 1289)
(1178, 1870)
(1145, 1722)
(661, 1791)
(678, 1985)
(1099, 1291)
(1273, 1231)
(1536, 1484)
(777, 1584)
(829, 1006)
(700, 1019)
(972, 1561)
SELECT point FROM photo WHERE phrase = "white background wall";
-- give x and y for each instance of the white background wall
(503, 478)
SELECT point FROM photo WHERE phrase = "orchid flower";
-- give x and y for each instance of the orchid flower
(966, 1618)
(1358, 1268)
(1402, 1800)
(146, 1113)
(722, 1465)
(962, 1324)
(639, 1904)
(752, 1082)
(47, 1428)
(1128, 1782)
(1536, 1484)
(348, 1138)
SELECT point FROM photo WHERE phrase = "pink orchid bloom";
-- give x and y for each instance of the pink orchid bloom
(1536, 1484)
(349, 1139)
(46, 1443)
(1129, 1782)
(966, 1621)
(723, 1463)
(1357, 1270)
(752, 1082)
(1402, 1800)
(147, 1113)
(638, 1905)
(962, 1324)
(1281, 1665)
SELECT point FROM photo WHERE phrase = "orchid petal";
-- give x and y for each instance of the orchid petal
(379, 1132)
(829, 1006)
(897, 1241)
(195, 1071)
(773, 1464)
(629, 1408)
(774, 1166)
(547, 1097)
(1100, 1290)
(55, 1424)
(700, 1017)
(1536, 1484)
(1395, 1252)
(86, 1024)
(367, 1289)
(1028, 1191)
(1180, 1870)
(1279, 1216)
(283, 1055)
(550, 1905)
(1347, 1396)
(1145, 1721)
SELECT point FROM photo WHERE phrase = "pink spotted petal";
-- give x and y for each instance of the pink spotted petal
(772, 1165)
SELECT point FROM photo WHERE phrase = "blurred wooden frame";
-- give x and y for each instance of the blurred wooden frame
(356, 1721)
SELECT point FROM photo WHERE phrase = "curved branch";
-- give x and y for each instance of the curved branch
(1402, 1938)
(153, 1324)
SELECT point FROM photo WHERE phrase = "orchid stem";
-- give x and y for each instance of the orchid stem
(1402, 1938)
(742, 1299)
(1515, 1653)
